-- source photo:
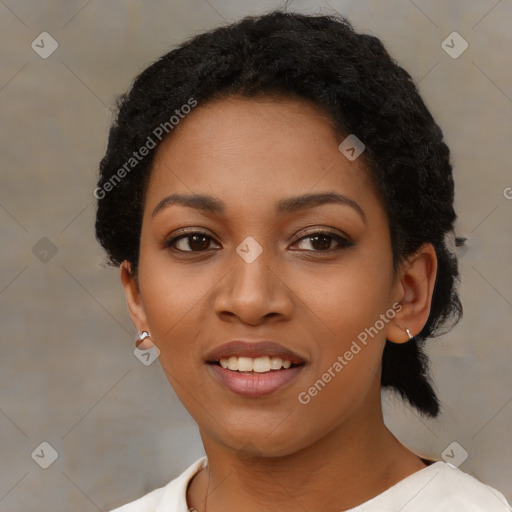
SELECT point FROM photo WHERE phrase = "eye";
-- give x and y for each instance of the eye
(199, 241)
(321, 241)
(196, 241)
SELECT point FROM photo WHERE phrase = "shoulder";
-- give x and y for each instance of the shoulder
(146, 503)
(439, 487)
(442, 487)
(170, 497)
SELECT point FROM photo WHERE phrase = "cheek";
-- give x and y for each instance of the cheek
(352, 346)
(174, 298)
(349, 347)
(347, 298)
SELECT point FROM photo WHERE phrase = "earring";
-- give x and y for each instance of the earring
(143, 341)
(409, 334)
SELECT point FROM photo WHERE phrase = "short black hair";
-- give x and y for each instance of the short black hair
(348, 75)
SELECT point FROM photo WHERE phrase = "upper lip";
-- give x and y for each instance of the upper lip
(241, 348)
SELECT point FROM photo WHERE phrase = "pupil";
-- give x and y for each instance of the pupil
(195, 238)
(321, 237)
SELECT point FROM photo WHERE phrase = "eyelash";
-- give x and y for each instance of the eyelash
(342, 241)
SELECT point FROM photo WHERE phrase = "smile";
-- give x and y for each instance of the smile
(254, 369)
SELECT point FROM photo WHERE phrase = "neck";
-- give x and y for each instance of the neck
(353, 463)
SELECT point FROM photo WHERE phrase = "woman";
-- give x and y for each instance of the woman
(280, 203)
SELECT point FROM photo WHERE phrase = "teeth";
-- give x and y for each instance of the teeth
(261, 364)
(257, 364)
(275, 363)
(245, 364)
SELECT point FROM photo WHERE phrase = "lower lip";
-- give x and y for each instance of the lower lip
(254, 385)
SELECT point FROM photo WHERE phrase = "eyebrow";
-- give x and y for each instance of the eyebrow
(210, 204)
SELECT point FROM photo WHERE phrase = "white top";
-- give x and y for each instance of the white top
(439, 487)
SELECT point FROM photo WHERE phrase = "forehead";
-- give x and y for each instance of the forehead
(249, 151)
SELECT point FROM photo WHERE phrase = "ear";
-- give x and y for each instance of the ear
(133, 298)
(414, 290)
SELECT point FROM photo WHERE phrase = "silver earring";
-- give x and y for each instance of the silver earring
(409, 334)
(141, 336)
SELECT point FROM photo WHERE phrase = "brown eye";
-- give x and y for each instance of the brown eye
(192, 242)
(321, 241)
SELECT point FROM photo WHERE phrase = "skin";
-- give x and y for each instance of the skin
(334, 452)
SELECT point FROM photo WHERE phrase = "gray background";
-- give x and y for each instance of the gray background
(68, 375)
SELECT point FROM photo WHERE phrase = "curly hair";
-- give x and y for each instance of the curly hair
(350, 77)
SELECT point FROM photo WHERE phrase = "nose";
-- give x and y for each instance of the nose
(254, 292)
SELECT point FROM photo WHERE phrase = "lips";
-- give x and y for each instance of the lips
(272, 367)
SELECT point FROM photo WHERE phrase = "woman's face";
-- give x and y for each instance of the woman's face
(266, 265)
